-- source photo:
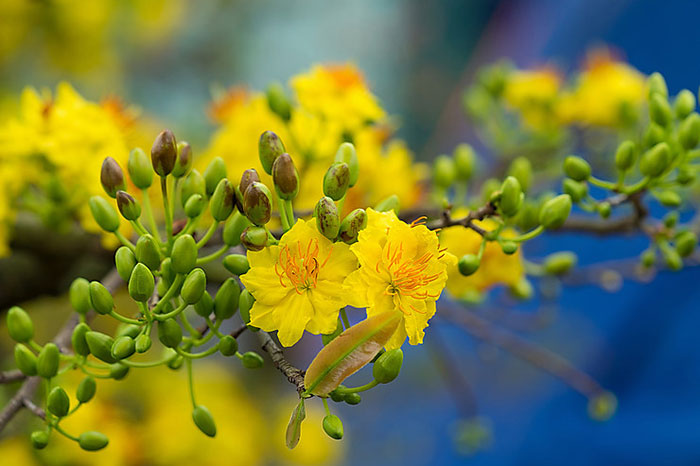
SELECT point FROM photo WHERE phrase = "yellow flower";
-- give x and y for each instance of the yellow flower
(297, 284)
(496, 267)
(532, 93)
(402, 268)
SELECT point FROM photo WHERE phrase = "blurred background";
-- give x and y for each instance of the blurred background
(170, 57)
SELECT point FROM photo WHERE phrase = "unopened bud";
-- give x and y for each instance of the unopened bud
(205, 306)
(213, 174)
(444, 171)
(58, 402)
(147, 252)
(660, 110)
(653, 135)
(333, 426)
(79, 295)
(685, 243)
(195, 205)
(387, 367)
(278, 101)
(143, 343)
(560, 262)
(170, 333)
(47, 361)
(257, 203)
(684, 103)
(204, 420)
(25, 360)
(669, 198)
(351, 226)
(164, 153)
(509, 247)
(141, 283)
(19, 325)
(101, 298)
(577, 168)
(689, 131)
(352, 398)
(183, 162)
(254, 238)
(327, 218)
(577, 190)
(655, 161)
(118, 371)
(511, 196)
(686, 175)
(522, 289)
(86, 390)
(248, 177)
(336, 181)
(270, 147)
(184, 255)
(657, 85)
(245, 302)
(389, 203)
(166, 272)
(468, 264)
(193, 184)
(39, 439)
(140, 169)
(252, 360)
(237, 264)
(464, 160)
(602, 407)
(233, 229)
(123, 347)
(625, 156)
(604, 209)
(78, 341)
(92, 441)
(194, 286)
(104, 214)
(100, 346)
(672, 258)
(521, 169)
(125, 262)
(112, 177)
(228, 346)
(128, 206)
(285, 177)
(222, 202)
(226, 300)
(555, 211)
(347, 154)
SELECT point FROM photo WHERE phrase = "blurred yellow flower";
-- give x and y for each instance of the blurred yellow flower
(402, 268)
(533, 93)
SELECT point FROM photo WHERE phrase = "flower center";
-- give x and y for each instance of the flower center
(300, 267)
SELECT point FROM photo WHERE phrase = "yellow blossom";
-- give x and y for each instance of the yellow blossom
(533, 93)
(402, 268)
(496, 267)
(297, 284)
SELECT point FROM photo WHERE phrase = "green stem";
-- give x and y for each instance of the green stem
(126, 320)
(190, 381)
(213, 256)
(60, 430)
(173, 313)
(529, 235)
(170, 293)
(601, 183)
(124, 240)
(146, 202)
(207, 236)
(192, 331)
(361, 388)
(344, 316)
(138, 227)
(168, 212)
(325, 406)
(203, 354)
(281, 207)
(143, 365)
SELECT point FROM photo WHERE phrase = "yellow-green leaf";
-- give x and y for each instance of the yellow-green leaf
(294, 427)
(349, 352)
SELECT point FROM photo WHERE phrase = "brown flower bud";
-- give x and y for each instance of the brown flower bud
(112, 177)
(164, 153)
(285, 177)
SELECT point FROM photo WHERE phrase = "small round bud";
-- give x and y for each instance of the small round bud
(92, 441)
(659, 110)
(521, 169)
(555, 211)
(79, 295)
(248, 177)
(184, 255)
(327, 218)
(684, 103)
(193, 184)
(270, 147)
(657, 85)
(118, 371)
(468, 264)
(104, 214)
(577, 168)
(604, 209)
(347, 154)
(125, 261)
(625, 156)
(86, 390)
(147, 252)
(254, 238)
(47, 361)
(166, 271)
(278, 101)
(194, 286)
(213, 174)
(464, 160)
(100, 346)
(685, 243)
(183, 162)
(58, 402)
(112, 177)
(387, 367)
(509, 247)
(337, 394)
(101, 298)
(164, 153)
(39, 439)
(654, 161)
(237, 264)
(128, 206)
(25, 360)
(671, 219)
(389, 203)
(245, 302)
(559, 263)
(669, 198)
(523, 289)
(511, 196)
(252, 360)
(170, 333)
(351, 226)
(204, 420)
(444, 171)
(653, 135)
(140, 169)
(490, 186)
(205, 306)
(689, 131)
(222, 201)
(233, 228)
(143, 343)
(226, 300)
(228, 346)
(333, 426)
(352, 398)
(672, 258)
(123, 347)
(336, 181)
(130, 330)
(576, 189)
(19, 325)
(78, 341)
(195, 205)
(285, 177)
(602, 406)
(257, 203)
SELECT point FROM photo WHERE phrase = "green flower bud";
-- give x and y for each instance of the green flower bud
(147, 252)
(47, 362)
(444, 171)
(489, 187)
(25, 360)
(125, 261)
(347, 154)
(660, 110)
(58, 402)
(129, 330)
(684, 103)
(195, 205)
(184, 256)
(528, 216)
(78, 341)
(254, 238)
(577, 190)
(92, 441)
(176, 363)
(237, 264)
(270, 147)
(100, 346)
(669, 198)
(285, 177)
(602, 407)
(387, 367)
(464, 160)
(104, 214)
(86, 390)
(257, 203)
(140, 169)
(205, 306)
(671, 219)
(228, 346)
(194, 286)
(555, 211)
(351, 226)
(672, 258)
(128, 206)
(685, 243)
(183, 162)
(648, 258)
(245, 302)
(101, 298)
(169, 333)
(560, 263)
(625, 156)
(327, 218)
(166, 272)
(352, 398)
(39, 439)
(112, 177)
(193, 184)
(468, 264)
(252, 360)
(389, 203)
(337, 394)
(653, 135)
(204, 420)
(19, 325)
(141, 284)
(143, 343)
(522, 289)
(689, 131)
(654, 161)
(79, 294)
(336, 181)
(657, 85)
(278, 101)
(222, 201)
(604, 209)
(226, 300)
(123, 347)
(521, 169)
(333, 426)
(118, 371)
(509, 247)
(164, 153)
(577, 168)
(233, 229)
(213, 174)
(511, 196)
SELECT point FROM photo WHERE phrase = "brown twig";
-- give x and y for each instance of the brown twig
(467, 221)
(11, 376)
(294, 375)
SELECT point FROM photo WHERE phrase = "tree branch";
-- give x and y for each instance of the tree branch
(11, 376)
(294, 375)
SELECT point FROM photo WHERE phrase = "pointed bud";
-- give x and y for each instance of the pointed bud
(248, 177)
(653, 135)
(193, 184)
(444, 171)
(195, 205)
(226, 300)
(233, 229)
(141, 283)
(559, 263)
(184, 255)
(555, 211)
(278, 101)
(147, 252)
(221, 203)
(228, 346)
(194, 286)
(19, 325)
(347, 154)
(672, 258)
(285, 177)
(92, 441)
(511, 196)
(112, 177)
(684, 103)
(254, 238)
(237, 264)
(660, 110)
(387, 366)
(79, 295)
(123, 347)
(333, 426)
(521, 169)
(47, 361)
(327, 218)
(183, 162)
(577, 190)
(128, 206)
(252, 360)
(464, 160)
(86, 390)
(336, 181)
(351, 226)
(577, 168)
(685, 243)
(389, 203)
(104, 214)
(257, 203)
(78, 341)
(164, 153)
(205, 306)
(101, 298)
(654, 161)
(125, 262)
(100, 346)
(689, 131)
(170, 333)
(604, 209)
(352, 398)
(468, 264)
(669, 198)
(140, 169)
(625, 156)
(270, 147)
(657, 85)
(58, 402)
(143, 343)
(25, 360)
(245, 302)
(214, 173)
(204, 420)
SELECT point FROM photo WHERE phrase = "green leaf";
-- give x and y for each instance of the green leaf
(349, 352)
(294, 427)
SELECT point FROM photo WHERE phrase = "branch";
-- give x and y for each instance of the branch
(294, 375)
(11, 376)
(481, 213)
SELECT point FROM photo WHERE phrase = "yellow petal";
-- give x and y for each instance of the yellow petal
(292, 316)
